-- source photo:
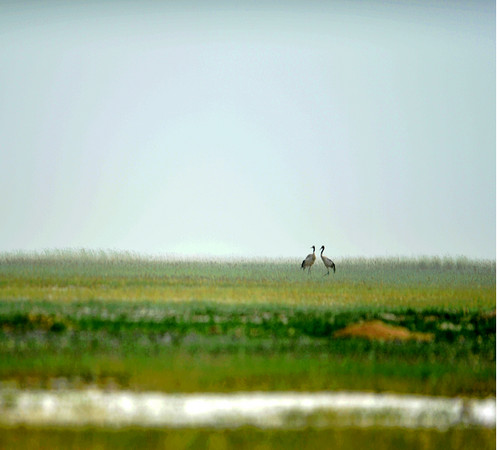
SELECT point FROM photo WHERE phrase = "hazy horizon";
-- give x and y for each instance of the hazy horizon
(124, 256)
(197, 129)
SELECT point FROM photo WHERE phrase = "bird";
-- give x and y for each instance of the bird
(309, 260)
(329, 264)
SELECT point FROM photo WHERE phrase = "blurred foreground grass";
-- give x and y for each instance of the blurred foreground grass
(249, 438)
(73, 320)
(198, 346)
(119, 321)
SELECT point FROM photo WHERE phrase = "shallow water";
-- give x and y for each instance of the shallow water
(275, 410)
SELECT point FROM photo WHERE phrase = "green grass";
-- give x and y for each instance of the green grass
(120, 321)
(415, 283)
(178, 326)
(248, 438)
(188, 347)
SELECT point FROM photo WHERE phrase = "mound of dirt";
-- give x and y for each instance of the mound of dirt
(380, 331)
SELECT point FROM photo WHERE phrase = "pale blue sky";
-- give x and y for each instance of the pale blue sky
(241, 129)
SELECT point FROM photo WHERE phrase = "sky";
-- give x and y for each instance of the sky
(249, 129)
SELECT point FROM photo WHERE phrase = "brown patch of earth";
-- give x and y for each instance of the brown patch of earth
(378, 330)
(490, 314)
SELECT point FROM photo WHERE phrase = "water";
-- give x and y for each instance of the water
(276, 410)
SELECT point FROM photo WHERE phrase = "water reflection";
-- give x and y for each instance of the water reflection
(260, 409)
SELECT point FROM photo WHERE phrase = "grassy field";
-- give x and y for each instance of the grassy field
(249, 438)
(375, 284)
(120, 321)
(226, 326)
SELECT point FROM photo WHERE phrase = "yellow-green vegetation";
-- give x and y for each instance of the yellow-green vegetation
(207, 347)
(249, 438)
(121, 321)
(70, 320)
(377, 283)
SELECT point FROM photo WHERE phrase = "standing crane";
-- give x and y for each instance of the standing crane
(329, 264)
(309, 260)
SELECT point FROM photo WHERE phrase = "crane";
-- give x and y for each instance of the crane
(309, 260)
(329, 264)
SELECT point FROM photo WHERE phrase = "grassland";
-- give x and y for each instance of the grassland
(374, 284)
(121, 321)
(249, 438)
